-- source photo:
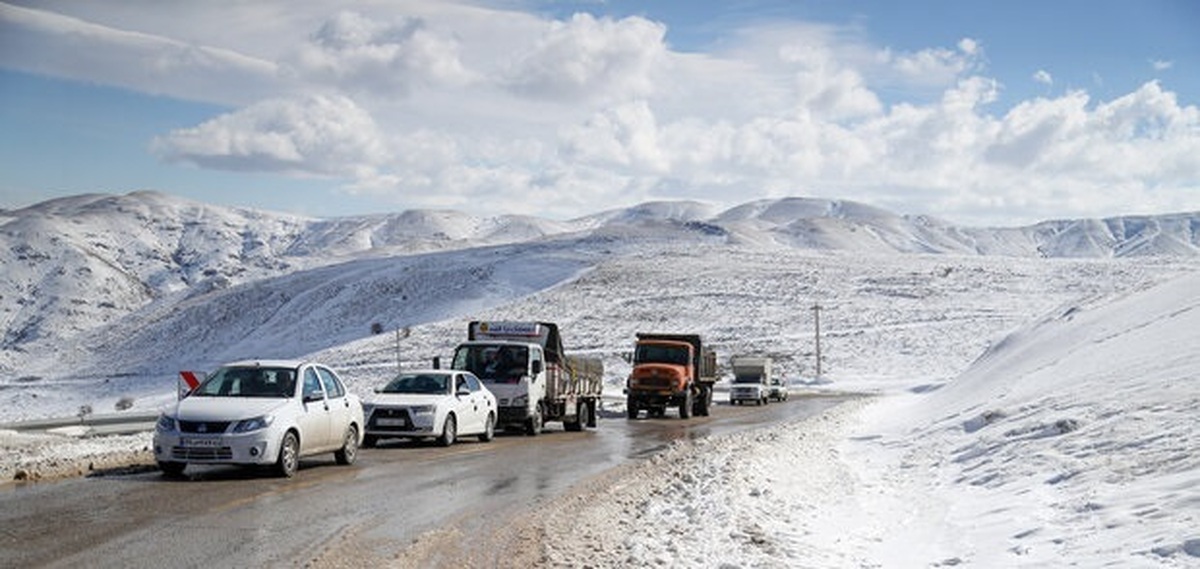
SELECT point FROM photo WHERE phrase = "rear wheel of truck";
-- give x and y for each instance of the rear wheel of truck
(631, 410)
(591, 423)
(704, 402)
(685, 408)
(581, 418)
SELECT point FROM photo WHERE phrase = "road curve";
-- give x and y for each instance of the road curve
(230, 517)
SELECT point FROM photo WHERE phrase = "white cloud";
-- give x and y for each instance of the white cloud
(1042, 76)
(386, 58)
(590, 58)
(936, 66)
(431, 103)
(1161, 65)
(315, 135)
(62, 46)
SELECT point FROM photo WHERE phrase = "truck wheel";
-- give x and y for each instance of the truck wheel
(705, 401)
(591, 405)
(631, 410)
(533, 425)
(685, 408)
(581, 418)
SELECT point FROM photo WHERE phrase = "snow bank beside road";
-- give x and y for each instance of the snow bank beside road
(746, 499)
(33, 457)
(1072, 442)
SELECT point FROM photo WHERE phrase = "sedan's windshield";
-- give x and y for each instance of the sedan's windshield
(249, 382)
(418, 383)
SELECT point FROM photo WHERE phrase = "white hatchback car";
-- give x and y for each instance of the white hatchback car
(439, 404)
(261, 413)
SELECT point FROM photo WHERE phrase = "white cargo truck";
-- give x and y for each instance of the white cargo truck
(751, 380)
(534, 381)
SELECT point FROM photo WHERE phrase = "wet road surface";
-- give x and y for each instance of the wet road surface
(233, 517)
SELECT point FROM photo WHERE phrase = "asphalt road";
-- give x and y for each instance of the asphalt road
(393, 495)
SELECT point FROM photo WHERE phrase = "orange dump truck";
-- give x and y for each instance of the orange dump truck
(671, 370)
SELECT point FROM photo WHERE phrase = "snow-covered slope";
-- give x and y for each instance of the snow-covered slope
(1071, 442)
(1074, 439)
(121, 291)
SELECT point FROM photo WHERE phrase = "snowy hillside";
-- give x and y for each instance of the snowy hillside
(106, 297)
(1071, 442)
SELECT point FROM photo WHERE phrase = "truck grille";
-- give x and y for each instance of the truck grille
(656, 383)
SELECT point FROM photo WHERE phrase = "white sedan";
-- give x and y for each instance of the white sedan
(438, 404)
(261, 413)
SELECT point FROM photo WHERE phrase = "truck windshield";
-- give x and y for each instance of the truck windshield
(654, 354)
(747, 378)
(493, 363)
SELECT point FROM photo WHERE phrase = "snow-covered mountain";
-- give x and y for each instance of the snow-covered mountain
(121, 291)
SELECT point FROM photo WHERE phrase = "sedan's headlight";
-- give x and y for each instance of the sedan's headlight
(422, 409)
(166, 424)
(519, 401)
(257, 423)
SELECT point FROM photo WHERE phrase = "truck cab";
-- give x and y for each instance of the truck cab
(514, 372)
(670, 370)
(534, 381)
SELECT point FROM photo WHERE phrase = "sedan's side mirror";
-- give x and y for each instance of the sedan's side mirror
(311, 397)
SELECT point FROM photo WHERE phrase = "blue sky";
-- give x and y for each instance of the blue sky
(996, 113)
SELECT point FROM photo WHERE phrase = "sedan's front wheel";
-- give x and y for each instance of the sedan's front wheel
(289, 456)
(349, 450)
(449, 432)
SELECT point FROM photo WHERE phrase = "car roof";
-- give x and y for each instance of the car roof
(430, 372)
(267, 363)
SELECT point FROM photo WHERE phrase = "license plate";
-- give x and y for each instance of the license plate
(383, 422)
(190, 442)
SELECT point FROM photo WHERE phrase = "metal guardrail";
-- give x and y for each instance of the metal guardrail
(92, 425)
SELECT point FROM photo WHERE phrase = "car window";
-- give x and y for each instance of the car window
(333, 387)
(473, 383)
(418, 383)
(312, 383)
(248, 382)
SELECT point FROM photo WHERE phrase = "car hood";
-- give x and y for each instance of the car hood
(226, 408)
(406, 399)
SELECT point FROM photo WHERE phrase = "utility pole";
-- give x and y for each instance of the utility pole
(816, 308)
(400, 333)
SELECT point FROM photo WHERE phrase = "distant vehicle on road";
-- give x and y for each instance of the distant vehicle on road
(270, 412)
(434, 404)
(777, 388)
(751, 380)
